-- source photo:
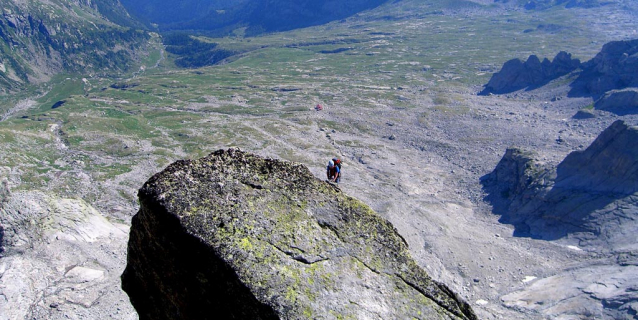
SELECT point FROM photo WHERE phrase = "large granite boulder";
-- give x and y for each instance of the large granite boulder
(237, 236)
(516, 74)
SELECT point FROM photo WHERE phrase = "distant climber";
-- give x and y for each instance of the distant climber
(333, 171)
(318, 107)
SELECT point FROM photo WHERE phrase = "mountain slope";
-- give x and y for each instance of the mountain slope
(40, 39)
(257, 16)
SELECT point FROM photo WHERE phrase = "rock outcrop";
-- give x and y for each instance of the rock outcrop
(589, 201)
(620, 102)
(517, 174)
(582, 194)
(516, 74)
(237, 236)
(613, 68)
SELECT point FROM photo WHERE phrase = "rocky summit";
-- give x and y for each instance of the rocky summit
(237, 236)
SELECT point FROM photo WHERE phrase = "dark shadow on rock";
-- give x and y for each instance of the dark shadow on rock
(550, 203)
(614, 67)
(182, 274)
(561, 212)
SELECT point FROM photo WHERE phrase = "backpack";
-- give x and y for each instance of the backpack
(337, 162)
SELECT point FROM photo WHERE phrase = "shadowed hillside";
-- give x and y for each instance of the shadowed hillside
(254, 16)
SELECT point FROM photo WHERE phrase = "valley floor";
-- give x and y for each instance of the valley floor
(400, 109)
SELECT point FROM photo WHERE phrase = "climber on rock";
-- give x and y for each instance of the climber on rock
(333, 171)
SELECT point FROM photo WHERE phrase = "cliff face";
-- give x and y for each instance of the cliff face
(233, 235)
(609, 165)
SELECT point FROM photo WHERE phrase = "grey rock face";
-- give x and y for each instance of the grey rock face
(590, 200)
(609, 165)
(550, 203)
(614, 67)
(61, 260)
(233, 235)
(620, 102)
(516, 74)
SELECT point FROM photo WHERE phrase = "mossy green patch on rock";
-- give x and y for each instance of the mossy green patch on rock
(247, 237)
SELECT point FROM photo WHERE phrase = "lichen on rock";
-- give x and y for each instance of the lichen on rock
(234, 235)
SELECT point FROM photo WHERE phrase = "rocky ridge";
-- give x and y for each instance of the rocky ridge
(237, 235)
(613, 68)
(516, 74)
